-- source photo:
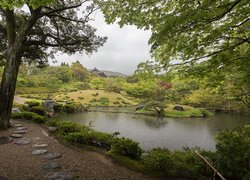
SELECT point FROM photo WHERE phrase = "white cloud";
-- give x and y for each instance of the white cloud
(124, 49)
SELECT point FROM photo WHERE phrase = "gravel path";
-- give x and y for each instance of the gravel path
(18, 163)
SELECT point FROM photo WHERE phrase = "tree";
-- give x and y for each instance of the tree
(36, 31)
(79, 72)
(212, 32)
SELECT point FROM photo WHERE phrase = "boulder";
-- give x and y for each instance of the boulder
(178, 108)
(139, 107)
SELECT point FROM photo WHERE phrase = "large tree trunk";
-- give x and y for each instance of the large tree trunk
(8, 85)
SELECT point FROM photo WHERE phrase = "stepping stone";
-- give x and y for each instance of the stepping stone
(59, 176)
(40, 145)
(53, 155)
(52, 128)
(21, 128)
(3, 178)
(5, 140)
(17, 125)
(20, 132)
(52, 166)
(39, 151)
(17, 135)
(23, 141)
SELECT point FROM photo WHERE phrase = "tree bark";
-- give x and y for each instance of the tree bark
(8, 86)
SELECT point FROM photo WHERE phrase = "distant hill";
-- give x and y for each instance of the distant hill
(112, 73)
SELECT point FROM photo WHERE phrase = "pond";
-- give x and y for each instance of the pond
(151, 132)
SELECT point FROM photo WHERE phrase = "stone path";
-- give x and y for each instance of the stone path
(39, 149)
(38, 156)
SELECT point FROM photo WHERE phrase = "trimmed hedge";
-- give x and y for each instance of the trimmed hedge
(29, 116)
(75, 133)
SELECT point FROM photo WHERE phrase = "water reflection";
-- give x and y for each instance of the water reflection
(151, 132)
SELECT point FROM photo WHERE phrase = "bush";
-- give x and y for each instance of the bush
(82, 86)
(38, 109)
(233, 152)
(29, 116)
(104, 101)
(66, 127)
(32, 103)
(77, 137)
(159, 160)
(126, 147)
(183, 163)
(58, 107)
(69, 108)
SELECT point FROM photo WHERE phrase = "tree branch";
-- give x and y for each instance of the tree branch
(218, 17)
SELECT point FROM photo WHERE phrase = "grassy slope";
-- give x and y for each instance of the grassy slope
(188, 112)
(85, 96)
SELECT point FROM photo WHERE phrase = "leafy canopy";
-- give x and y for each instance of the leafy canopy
(189, 31)
(47, 27)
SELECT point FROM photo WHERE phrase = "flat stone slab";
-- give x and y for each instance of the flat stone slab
(21, 128)
(17, 125)
(59, 176)
(17, 135)
(53, 155)
(39, 151)
(40, 145)
(20, 132)
(5, 140)
(52, 166)
(3, 178)
(23, 141)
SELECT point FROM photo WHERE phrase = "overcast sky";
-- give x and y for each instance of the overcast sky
(124, 49)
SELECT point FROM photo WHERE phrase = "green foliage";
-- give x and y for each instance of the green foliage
(89, 137)
(183, 163)
(31, 103)
(82, 86)
(29, 116)
(38, 109)
(104, 101)
(58, 108)
(192, 30)
(65, 127)
(159, 160)
(69, 108)
(233, 152)
(126, 147)
(113, 85)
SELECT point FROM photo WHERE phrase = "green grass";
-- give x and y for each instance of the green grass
(35, 90)
(99, 94)
(188, 112)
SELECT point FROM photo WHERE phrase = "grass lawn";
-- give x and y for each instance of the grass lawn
(96, 98)
(188, 112)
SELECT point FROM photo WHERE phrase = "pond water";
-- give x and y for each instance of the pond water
(151, 132)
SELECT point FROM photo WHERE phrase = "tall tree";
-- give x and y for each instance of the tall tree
(35, 29)
(191, 32)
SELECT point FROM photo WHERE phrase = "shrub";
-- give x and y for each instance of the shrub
(77, 137)
(66, 127)
(29, 116)
(32, 103)
(183, 163)
(233, 152)
(126, 147)
(89, 137)
(58, 107)
(82, 86)
(159, 160)
(69, 108)
(38, 109)
(104, 100)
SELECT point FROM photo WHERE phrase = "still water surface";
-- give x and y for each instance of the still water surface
(151, 132)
